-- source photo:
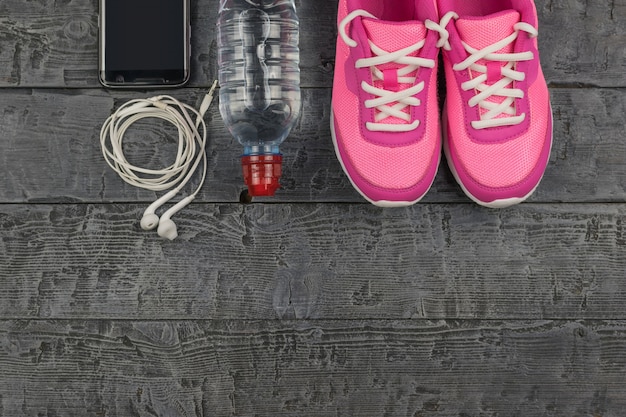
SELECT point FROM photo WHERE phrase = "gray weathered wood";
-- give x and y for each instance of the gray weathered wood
(315, 261)
(51, 44)
(327, 369)
(55, 44)
(317, 304)
(50, 152)
(583, 44)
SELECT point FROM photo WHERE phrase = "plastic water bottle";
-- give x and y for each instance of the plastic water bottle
(259, 77)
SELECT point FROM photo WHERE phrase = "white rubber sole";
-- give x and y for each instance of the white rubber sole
(379, 203)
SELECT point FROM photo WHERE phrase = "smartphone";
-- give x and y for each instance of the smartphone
(144, 43)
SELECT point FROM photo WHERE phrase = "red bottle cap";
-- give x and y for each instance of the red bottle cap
(261, 173)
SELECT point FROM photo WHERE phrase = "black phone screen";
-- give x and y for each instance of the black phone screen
(144, 41)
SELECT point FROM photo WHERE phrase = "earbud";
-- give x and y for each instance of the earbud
(150, 220)
(167, 228)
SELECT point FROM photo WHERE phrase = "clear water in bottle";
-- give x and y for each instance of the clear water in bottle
(259, 75)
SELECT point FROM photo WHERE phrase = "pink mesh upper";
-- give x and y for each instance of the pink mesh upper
(393, 169)
(480, 33)
(392, 36)
(499, 165)
(388, 167)
(505, 162)
(465, 8)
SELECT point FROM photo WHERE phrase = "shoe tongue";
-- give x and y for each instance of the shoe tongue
(480, 32)
(393, 36)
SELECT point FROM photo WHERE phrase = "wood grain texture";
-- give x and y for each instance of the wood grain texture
(50, 153)
(47, 43)
(316, 304)
(52, 43)
(577, 39)
(327, 369)
(315, 262)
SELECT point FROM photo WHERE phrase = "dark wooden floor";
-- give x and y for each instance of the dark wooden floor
(313, 303)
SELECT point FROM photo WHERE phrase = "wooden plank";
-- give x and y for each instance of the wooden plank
(328, 368)
(315, 261)
(568, 56)
(308, 306)
(47, 45)
(43, 44)
(50, 152)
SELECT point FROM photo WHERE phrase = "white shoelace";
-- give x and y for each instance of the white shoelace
(384, 98)
(501, 88)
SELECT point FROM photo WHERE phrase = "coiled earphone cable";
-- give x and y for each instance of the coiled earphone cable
(192, 137)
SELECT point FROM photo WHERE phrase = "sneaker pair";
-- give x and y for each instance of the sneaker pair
(385, 122)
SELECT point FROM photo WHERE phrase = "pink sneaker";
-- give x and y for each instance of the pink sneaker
(385, 119)
(498, 119)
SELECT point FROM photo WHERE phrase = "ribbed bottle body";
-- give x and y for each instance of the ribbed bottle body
(259, 75)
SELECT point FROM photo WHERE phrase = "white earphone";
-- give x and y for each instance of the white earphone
(150, 220)
(167, 228)
(191, 151)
